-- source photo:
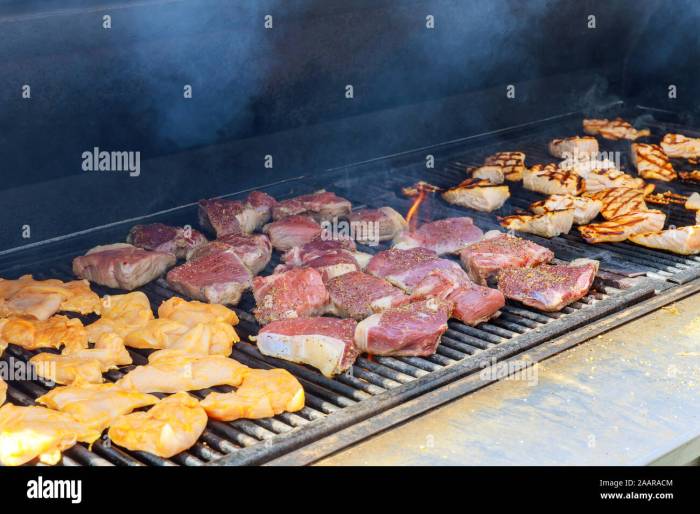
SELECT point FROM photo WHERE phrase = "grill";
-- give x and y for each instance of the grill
(629, 275)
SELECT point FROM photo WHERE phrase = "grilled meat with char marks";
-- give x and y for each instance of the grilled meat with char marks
(585, 209)
(549, 224)
(613, 129)
(619, 200)
(652, 163)
(622, 227)
(478, 194)
(550, 180)
(575, 147)
(682, 240)
(512, 164)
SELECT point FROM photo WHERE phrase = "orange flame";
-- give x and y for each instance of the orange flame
(415, 207)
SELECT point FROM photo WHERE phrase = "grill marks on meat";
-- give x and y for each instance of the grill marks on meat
(549, 179)
(680, 146)
(500, 251)
(599, 179)
(122, 266)
(619, 200)
(217, 277)
(358, 295)
(413, 329)
(222, 216)
(292, 231)
(622, 227)
(164, 238)
(385, 222)
(585, 209)
(512, 164)
(324, 343)
(296, 293)
(478, 194)
(255, 250)
(613, 129)
(652, 163)
(549, 224)
(322, 206)
(575, 147)
(443, 236)
(548, 287)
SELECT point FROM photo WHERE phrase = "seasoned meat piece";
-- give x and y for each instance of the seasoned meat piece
(498, 251)
(158, 237)
(358, 295)
(255, 250)
(449, 235)
(324, 343)
(292, 231)
(122, 266)
(371, 226)
(222, 216)
(548, 287)
(297, 293)
(322, 206)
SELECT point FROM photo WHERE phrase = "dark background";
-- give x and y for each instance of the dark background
(281, 91)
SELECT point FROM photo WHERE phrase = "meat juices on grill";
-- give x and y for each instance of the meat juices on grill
(222, 216)
(376, 225)
(579, 148)
(358, 295)
(217, 277)
(548, 288)
(255, 250)
(297, 293)
(122, 266)
(414, 329)
(292, 231)
(322, 206)
(164, 238)
(497, 251)
(443, 236)
(324, 343)
(422, 274)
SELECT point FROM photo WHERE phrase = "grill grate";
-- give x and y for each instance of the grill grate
(378, 383)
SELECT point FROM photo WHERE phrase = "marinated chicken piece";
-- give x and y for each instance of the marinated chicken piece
(358, 295)
(214, 337)
(157, 334)
(83, 365)
(622, 227)
(224, 216)
(321, 206)
(497, 251)
(414, 329)
(158, 237)
(585, 209)
(693, 202)
(613, 129)
(264, 393)
(652, 163)
(619, 200)
(371, 226)
(549, 287)
(583, 167)
(170, 427)
(449, 235)
(494, 174)
(172, 371)
(297, 293)
(121, 314)
(576, 147)
(511, 163)
(95, 406)
(478, 194)
(324, 343)
(550, 180)
(41, 299)
(30, 432)
(680, 146)
(254, 250)
(597, 180)
(217, 277)
(3, 390)
(549, 224)
(32, 334)
(292, 231)
(122, 266)
(682, 240)
(194, 312)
